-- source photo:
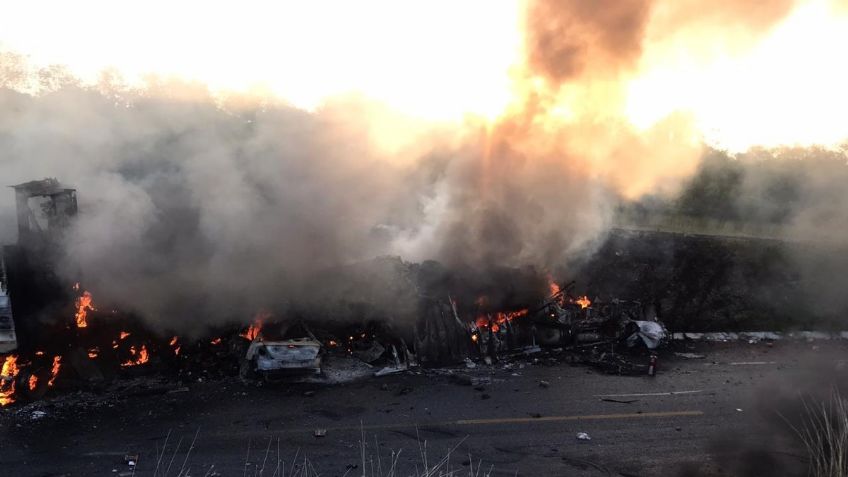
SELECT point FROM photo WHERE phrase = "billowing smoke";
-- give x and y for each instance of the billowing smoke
(197, 207)
(567, 39)
(193, 211)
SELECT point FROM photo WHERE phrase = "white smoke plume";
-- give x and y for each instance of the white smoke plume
(197, 207)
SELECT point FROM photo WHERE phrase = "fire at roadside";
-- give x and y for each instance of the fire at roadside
(94, 349)
(59, 339)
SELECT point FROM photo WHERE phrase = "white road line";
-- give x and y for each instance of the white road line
(670, 393)
(484, 422)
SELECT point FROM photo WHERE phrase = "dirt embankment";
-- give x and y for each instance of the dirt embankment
(703, 283)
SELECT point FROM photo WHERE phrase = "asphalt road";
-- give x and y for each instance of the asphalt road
(712, 416)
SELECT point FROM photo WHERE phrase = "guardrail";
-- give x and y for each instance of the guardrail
(687, 225)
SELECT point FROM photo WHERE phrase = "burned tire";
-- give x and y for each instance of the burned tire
(247, 370)
(32, 384)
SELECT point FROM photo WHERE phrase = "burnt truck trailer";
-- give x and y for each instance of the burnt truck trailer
(8, 338)
(45, 210)
(31, 290)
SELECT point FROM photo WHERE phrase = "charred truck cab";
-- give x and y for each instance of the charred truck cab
(31, 291)
(33, 288)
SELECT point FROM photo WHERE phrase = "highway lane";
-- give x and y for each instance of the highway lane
(697, 415)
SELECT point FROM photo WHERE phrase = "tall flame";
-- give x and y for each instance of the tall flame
(84, 305)
(554, 288)
(252, 331)
(7, 380)
(54, 371)
(255, 328)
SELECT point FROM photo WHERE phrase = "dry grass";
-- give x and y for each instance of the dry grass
(824, 433)
(373, 464)
(269, 463)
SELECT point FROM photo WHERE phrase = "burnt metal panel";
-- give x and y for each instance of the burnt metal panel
(8, 339)
(45, 209)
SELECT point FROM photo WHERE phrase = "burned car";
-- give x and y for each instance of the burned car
(292, 351)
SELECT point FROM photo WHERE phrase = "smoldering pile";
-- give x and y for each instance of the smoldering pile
(191, 211)
(377, 317)
(198, 205)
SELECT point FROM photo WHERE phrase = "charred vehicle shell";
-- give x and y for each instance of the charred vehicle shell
(293, 356)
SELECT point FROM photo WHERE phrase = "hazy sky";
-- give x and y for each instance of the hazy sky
(441, 59)
(437, 59)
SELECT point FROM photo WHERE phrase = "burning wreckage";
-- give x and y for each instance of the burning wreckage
(90, 347)
(592, 330)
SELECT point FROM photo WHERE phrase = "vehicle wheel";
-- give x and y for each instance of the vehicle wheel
(247, 371)
(35, 390)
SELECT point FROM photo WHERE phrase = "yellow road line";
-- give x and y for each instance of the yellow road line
(590, 417)
(668, 393)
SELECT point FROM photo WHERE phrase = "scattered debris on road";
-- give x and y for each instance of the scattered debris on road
(620, 401)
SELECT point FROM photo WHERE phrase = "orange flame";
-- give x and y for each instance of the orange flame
(123, 335)
(142, 355)
(173, 344)
(554, 288)
(84, 305)
(216, 341)
(93, 352)
(256, 327)
(7, 380)
(583, 301)
(136, 358)
(252, 331)
(499, 319)
(57, 364)
(33, 382)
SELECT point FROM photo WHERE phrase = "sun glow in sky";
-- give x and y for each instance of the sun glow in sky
(789, 88)
(437, 59)
(442, 60)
